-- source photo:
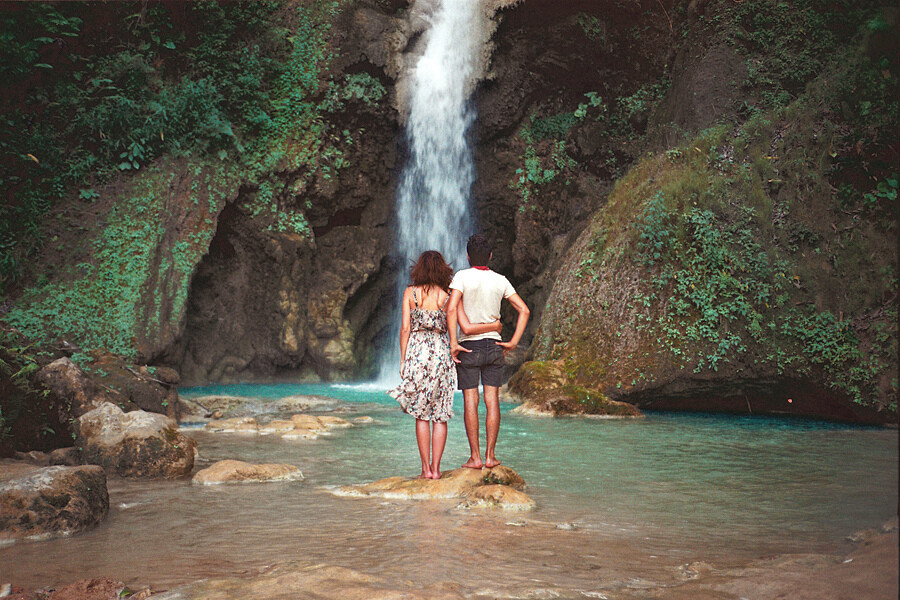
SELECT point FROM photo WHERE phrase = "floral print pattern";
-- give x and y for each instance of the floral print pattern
(428, 376)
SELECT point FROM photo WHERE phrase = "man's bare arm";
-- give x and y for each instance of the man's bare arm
(521, 322)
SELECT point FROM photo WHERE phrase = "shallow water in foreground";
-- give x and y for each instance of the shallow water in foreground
(620, 503)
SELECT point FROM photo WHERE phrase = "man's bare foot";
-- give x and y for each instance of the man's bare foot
(491, 463)
(435, 474)
(425, 475)
(473, 464)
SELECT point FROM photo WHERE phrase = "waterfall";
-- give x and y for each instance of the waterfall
(433, 195)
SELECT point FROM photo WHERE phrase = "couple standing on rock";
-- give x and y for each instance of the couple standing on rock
(433, 305)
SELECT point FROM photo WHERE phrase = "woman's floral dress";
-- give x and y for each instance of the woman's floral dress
(428, 377)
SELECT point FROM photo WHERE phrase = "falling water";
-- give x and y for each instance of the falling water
(433, 197)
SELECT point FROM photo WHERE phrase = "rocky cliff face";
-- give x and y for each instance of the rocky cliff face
(742, 271)
(613, 146)
(264, 302)
(547, 56)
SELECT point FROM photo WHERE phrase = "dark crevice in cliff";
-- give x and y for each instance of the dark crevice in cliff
(369, 311)
(234, 317)
(783, 397)
(347, 216)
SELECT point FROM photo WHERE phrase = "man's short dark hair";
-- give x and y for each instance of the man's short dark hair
(479, 249)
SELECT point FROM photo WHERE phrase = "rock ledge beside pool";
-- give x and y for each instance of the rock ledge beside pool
(498, 487)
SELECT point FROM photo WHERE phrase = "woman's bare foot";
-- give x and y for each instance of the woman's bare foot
(473, 463)
(435, 474)
(490, 463)
(425, 475)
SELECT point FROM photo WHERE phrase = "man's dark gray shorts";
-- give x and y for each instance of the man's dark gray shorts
(485, 361)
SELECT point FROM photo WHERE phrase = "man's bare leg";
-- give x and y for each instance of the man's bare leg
(470, 417)
(491, 424)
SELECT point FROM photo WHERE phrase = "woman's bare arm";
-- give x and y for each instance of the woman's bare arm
(469, 328)
(405, 327)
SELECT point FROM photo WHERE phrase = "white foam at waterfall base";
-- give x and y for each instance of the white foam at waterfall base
(433, 207)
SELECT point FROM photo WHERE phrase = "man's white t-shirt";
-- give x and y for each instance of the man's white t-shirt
(482, 291)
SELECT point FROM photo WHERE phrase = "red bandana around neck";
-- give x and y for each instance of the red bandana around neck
(482, 268)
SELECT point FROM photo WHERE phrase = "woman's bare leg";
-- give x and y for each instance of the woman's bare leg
(423, 439)
(438, 441)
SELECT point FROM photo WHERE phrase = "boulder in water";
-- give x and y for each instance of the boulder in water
(236, 471)
(134, 444)
(52, 500)
(276, 427)
(68, 457)
(311, 427)
(244, 406)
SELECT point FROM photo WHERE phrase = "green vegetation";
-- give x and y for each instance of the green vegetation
(243, 82)
(787, 44)
(227, 96)
(100, 303)
(545, 139)
(541, 170)
(18, 364)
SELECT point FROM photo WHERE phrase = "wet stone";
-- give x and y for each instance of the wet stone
(57, 500)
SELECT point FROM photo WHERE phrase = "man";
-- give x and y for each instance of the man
(480, 356)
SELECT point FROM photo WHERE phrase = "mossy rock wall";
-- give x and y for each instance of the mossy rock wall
(731, 269)
(123, 287)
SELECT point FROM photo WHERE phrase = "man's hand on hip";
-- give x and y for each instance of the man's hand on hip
(455, 349)
(507, 346)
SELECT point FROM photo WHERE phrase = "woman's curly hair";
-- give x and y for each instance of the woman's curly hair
(431, 269)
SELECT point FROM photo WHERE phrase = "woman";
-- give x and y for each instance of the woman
(428, 375)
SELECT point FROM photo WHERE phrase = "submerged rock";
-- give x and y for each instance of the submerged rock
(496, 495)
(134, 444)
(461, 483)
(52, 500)
(297, 427)
(308, 581)
(242, 406)
(236, 471)
(234, 425)
(546, 390)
